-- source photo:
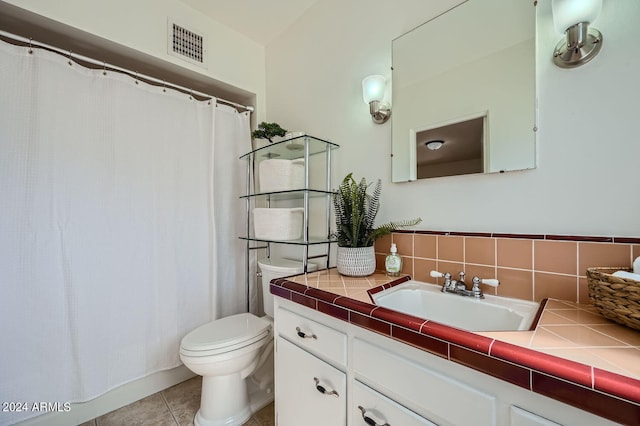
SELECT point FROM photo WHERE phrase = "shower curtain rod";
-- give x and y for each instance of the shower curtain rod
(69, 54)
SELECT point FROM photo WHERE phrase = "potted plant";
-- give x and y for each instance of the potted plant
(268, 131)
(355, 212)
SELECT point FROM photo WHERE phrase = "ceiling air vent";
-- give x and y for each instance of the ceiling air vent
(186, 44)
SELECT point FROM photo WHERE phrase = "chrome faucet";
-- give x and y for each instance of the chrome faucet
(460, 287)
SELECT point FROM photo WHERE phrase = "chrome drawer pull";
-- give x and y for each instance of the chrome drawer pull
(323, 390)
(305, 335)
(368, 420)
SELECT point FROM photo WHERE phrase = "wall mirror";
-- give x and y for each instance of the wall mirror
(466, 78)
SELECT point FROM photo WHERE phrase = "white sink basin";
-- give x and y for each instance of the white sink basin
(425, 300)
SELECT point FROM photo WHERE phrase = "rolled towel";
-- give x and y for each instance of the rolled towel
(627, 275)
(636, 265)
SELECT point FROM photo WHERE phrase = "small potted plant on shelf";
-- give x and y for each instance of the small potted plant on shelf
(355, 212)
(268, 131)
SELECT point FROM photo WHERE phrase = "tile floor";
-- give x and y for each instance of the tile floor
(175, 406)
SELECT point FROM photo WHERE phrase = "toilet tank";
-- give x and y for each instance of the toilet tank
(278, 268)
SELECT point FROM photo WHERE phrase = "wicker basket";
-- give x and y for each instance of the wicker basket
(616, 298)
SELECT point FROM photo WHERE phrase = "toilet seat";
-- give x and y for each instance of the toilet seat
(225, 335)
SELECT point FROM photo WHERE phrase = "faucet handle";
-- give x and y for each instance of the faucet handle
(436, 274)
(488, 281)
(446, 276)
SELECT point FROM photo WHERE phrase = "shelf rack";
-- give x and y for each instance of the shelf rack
(305, 147)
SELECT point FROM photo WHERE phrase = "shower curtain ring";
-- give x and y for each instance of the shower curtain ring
(164, 86)
(191, 94)
(69, 57)
(104, 68)
(136, 77)
(30, 46)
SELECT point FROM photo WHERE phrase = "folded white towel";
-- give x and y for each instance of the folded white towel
(627, 275)
(636, 265)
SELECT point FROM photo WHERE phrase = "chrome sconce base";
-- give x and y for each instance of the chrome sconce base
(380, 112)
(580, 46)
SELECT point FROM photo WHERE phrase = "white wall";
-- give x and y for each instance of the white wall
(587, 179)
(142, 25)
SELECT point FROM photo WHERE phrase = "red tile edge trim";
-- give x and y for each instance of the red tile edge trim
(387, 286)
(333, 310)
(462, 338)
(355, 305)
(625, 240)
(600, 404)
(613, 383)
(558, 367)
(279, 291)
(536, 319)
(307, 301)
(498, 368)
(584, 238)
(430, 344)
(399, 318)
(370, 323)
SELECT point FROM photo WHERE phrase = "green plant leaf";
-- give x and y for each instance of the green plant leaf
(355, 212)
(268, 130)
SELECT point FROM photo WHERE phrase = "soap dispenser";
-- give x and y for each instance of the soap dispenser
(393, 262)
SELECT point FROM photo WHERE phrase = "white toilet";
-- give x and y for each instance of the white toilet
(227, 351)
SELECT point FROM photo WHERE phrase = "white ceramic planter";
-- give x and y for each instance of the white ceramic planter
(356, 261)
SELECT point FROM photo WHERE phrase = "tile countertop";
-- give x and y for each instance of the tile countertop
(574, 355)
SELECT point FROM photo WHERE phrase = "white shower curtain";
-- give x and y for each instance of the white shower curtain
(229, 212)
(114, 215)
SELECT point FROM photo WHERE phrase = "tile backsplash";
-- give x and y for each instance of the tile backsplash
(530, 267)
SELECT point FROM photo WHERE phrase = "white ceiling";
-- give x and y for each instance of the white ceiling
(260, 20)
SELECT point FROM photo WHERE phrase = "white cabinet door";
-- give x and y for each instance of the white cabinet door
(520, 417)
(371, 408)
(308, 390)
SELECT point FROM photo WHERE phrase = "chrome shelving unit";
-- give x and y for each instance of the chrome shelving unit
(305, 147)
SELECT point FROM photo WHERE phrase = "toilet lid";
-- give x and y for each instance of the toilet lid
(226, 334)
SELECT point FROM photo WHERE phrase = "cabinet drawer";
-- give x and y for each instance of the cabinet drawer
(381, 409)
(317, 338)
(520, 417)
(426, 391)
(298, 398)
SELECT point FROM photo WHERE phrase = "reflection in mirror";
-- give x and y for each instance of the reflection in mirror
(474, 64)
(451, 149)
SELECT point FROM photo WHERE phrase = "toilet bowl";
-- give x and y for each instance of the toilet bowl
(227, 351)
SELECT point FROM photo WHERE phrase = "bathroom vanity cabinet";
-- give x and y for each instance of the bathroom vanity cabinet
(333, 372)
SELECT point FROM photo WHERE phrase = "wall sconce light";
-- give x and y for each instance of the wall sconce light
(582, 43)
(434, 145)
(373, 90)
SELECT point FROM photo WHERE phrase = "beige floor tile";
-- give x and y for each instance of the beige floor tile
(184, 400)
(266, 416)
(251, 422)
(151, 410)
